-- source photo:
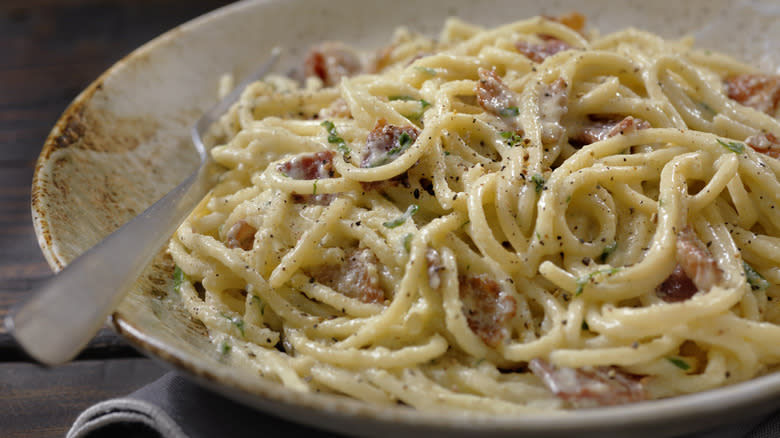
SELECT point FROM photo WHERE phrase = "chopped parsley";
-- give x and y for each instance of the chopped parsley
(707, 109)
(414, 117)
(582, 281)
(733, 146)
(344, 149)
(510, 111)
(568, 199)
(408, 242)
(401, 219)
(679, 363)
(239, 323)
(608, 251)
(538, 179)
(179, 278)
(426, 70)
(334, 138)
(236, 321)
(314, 188)
(423, 105)
(259, 301)
(512, 138)
(418, 115)
(224, 348)
(754, 278)
(404, 141)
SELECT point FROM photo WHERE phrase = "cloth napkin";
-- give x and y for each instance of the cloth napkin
(174, 407)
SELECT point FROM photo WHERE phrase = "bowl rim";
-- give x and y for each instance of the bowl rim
(707, 404)
(680, 409)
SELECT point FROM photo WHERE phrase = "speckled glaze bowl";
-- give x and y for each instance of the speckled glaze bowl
(123, 143)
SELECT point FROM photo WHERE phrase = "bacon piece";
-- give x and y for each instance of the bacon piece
(696, 260)
(677, 287)
(603, 128)
(331, 61)
(590, 386)
(573, 20)
(494, 95)
(628, 125)
(434, 266)
(759, 91)
(553, 105)
(387, 142)
(487, 308)
(550, 45)
(241, 235)
(317, 165)
(357, 277)
(383, 145)
(538, 52)
(382, 58)
(696, 270)
(765, 143)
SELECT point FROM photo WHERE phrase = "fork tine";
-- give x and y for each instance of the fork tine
(215, 112)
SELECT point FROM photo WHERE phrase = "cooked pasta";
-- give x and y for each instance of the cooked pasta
(508, 220)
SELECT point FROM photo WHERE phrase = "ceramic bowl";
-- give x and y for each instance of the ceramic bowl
(123, 143)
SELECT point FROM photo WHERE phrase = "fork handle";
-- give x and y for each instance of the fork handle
(55, 323)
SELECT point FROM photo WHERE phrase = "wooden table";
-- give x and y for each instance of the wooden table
(49, 51)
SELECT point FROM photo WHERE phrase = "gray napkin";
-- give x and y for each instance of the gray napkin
(173, 407)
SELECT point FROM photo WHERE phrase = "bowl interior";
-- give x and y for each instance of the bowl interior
(123, 143)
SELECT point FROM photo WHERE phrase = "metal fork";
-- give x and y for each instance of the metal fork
(62, 316)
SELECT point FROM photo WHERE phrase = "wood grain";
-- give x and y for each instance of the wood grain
(40, 402)
(49, 51)
(22, 265)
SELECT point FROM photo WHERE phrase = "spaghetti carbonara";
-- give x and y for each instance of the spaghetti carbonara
(507, 220)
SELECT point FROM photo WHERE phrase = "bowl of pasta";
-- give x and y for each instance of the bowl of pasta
(453, 219)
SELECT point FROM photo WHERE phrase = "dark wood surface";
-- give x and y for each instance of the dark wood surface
(49, 51)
